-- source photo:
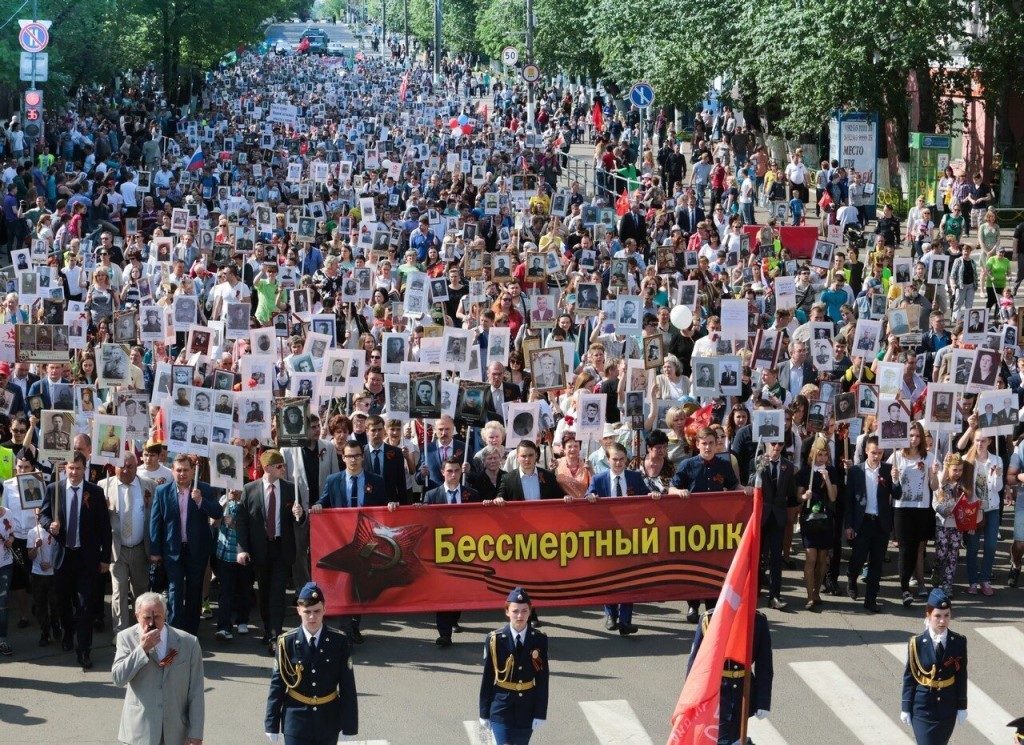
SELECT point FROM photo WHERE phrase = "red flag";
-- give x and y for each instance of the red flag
(622, 203)
(598, 115)
(730, 635)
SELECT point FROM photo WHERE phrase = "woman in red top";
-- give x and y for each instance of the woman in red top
(77, 223)
(503, 308)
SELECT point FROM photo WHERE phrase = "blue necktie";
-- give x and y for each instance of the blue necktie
(451, 496)
(72, 538)
(353, 492)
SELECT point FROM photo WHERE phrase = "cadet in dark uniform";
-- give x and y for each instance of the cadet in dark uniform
(706, 472)
(935, 679)
(312, 691)
(514, 688)
(730, 702)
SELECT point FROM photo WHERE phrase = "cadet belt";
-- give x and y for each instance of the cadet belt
(733, 673)
(312, 700)
(515, 686)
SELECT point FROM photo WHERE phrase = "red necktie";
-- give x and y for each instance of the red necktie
(271, 513)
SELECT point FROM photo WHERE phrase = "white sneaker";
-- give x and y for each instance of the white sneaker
(223, 635)
(243, 629)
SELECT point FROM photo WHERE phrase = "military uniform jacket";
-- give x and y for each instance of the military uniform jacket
(505, 672)
(934, 689)
(325, 670)
(761, 677)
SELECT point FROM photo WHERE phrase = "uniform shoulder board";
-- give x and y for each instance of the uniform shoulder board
(954, 635)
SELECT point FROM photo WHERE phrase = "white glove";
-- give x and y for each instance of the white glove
(761, 713)
(537, 723)
(485, 723)
(961, 716)
(273, 737)
(905, 717)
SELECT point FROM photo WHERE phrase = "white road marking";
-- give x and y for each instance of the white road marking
(614, 723)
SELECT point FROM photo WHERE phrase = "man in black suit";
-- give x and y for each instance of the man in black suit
(528, 482)
(386, 461)
(498, 393)
(778, 483)
(265, 524)
(871, 488)
(44, 387)
(689, 216)
(633, 225)
(75, 513)
(450, 492)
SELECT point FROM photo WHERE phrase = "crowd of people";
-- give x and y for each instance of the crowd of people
(340, 282)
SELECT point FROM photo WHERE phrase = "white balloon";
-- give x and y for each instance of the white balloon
(681, 317)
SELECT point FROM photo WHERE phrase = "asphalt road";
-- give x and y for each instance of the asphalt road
(837, 677)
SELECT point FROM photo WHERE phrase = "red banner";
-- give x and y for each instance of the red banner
(468, 557)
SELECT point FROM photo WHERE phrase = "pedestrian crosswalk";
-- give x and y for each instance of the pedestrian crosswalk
(826, 689)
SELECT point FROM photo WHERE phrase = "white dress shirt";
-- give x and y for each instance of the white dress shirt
(451, 498)
(871, 489)
(138, 509)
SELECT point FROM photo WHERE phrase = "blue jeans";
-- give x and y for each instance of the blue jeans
(623, 613)
(506, 734)
(6, 573)
(989, 530)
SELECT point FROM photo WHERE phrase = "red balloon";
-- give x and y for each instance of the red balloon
(453, 123)
(467, 129)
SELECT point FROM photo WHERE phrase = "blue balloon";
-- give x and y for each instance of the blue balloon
(463, 119)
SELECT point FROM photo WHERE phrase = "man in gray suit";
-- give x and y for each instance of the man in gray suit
(129, 501)
(308, 466)
(162, 668)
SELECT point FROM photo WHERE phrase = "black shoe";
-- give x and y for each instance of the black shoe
(627, 629)
(23, 623)
(85, 660)
(67, 643)
(872, 606)
(908, 599)
(355, 635)
(443, 641)
(831, 586)
(272, 649)
(44, 641)
(611, 623)
(1014, 576)
(456, 629)
(692, 615)
(851, 588)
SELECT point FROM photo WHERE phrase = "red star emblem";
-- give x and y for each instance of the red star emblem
(378, 557)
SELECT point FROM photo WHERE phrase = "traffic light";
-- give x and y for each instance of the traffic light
(33, 117)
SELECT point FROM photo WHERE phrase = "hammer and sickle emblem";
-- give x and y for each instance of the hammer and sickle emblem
(391, 558)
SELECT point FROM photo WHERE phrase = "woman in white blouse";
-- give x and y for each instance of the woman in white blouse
(671, 384)
(988, 481)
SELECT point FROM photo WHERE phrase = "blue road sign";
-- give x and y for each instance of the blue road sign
(34, 37)
(641, 95)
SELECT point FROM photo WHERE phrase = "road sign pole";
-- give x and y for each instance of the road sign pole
(531, 104)
(640, 154)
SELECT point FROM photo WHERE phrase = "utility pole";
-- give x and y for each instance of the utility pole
(531, 104)
(383, 26)
(437, 42)
(405, 11)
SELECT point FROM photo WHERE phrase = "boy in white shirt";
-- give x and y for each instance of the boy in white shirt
(41, 549)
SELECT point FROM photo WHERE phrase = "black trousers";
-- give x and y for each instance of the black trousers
(271, 579)
(445, 620)
(869, 547)
(75, 585)
(771, 554)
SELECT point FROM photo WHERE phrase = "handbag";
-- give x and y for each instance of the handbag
(966, 514)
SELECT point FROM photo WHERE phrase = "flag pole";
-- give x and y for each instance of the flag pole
(759, 458)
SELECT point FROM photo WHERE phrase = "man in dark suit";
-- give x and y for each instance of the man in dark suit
(75, 513)
(438, 451)
(871, 488)
(528, 482)
(44, 387)
(353, 487)
(778, 483)
(450, 492)
(634, 225)
(265, 525)
(180, 536)
(22, 379)
(386, 461)
(498, 393)
(618, 482)
(798, 370)
(689, 216)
